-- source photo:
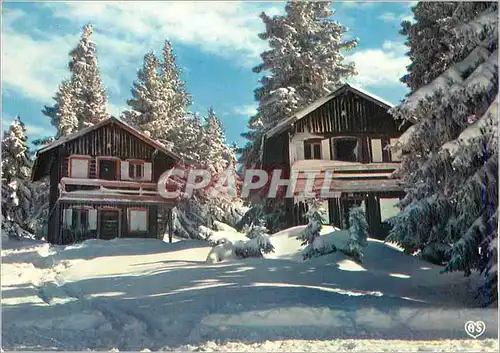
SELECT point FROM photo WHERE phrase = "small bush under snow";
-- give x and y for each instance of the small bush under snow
(322, 245)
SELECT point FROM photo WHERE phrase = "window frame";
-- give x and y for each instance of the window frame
(129, 219)
(310, 146)
(333, 149)
(79, 158)
(134, 163)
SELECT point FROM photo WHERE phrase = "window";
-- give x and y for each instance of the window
(137, 220)
(376, 150)
(135, 170)
(67, 218)
(79, 219)
(312, 150)
(388, 208)
(79, 167)
(345, 149)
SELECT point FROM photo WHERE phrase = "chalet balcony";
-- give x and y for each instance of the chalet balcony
(75, 189)
(348, 177)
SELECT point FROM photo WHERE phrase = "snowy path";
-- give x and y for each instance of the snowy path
(131, 294)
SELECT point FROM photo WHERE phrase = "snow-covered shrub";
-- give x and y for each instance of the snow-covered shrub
(322, 245)
(315, 216)
(358, 234)
(222, 252)
(259, 243)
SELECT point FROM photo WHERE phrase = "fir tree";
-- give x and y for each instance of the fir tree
(89, 100)
(16, 172)
(358, 234)
(451, 152)
(147, 95)
(214, 142)
(315, 216)
(258, 244)
(81, 100)
(305, 62)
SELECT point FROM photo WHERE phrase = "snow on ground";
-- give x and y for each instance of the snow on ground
(132, 294)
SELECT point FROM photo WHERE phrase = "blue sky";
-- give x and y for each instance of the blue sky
(216, 44)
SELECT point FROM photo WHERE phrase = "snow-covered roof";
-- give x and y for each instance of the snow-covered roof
(111, 120)
(312, 107)
(102, 123)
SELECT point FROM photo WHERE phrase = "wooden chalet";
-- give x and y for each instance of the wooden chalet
(103, 183)
(345, 134)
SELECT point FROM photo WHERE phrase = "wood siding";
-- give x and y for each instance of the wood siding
(67, 236)
(348, 113)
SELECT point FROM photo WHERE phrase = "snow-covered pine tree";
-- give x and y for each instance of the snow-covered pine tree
(16, 171)
(147, 95)
(451, 152)
(305, 62)
(89, 96)
(81, 100)
(214, 143)
(431, 37)
(259, 243)
(315, 216)
(358, 234)
(160, 103)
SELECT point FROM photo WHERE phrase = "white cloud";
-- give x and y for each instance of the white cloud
(389, 17)
(116, 109)
(37, 131)
(34, 68)
(358, 5)
(246, 110)
(225, 29)
(124, 32)
(380, 67)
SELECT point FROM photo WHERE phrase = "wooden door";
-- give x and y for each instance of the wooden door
(109, 224)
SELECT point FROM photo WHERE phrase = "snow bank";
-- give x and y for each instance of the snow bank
(132, 294)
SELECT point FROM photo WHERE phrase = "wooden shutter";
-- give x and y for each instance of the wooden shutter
(300, 150)
(377, 156)
(92, 219)
(79, 168)
(67, 218)
(147, 171)
(124, 170)
(325, 149)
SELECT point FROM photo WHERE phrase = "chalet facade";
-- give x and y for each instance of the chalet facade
(103, 183)
(345, 133)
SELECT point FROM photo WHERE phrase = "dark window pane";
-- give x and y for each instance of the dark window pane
(138, 170)
(317, 151)
(345, 150)
(131, 170)
(307, 150)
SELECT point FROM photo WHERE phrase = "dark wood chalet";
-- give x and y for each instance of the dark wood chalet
(345, 133)
(103, 183)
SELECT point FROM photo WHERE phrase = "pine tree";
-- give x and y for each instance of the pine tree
(16, 172)
(89, 99)
(450, 158)
(258, 244)
(214, 142)
(81, 100)
(315, 216)
(160, 105)
(358, 234)
(147, 96)
(305, 62)
(432, 39)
